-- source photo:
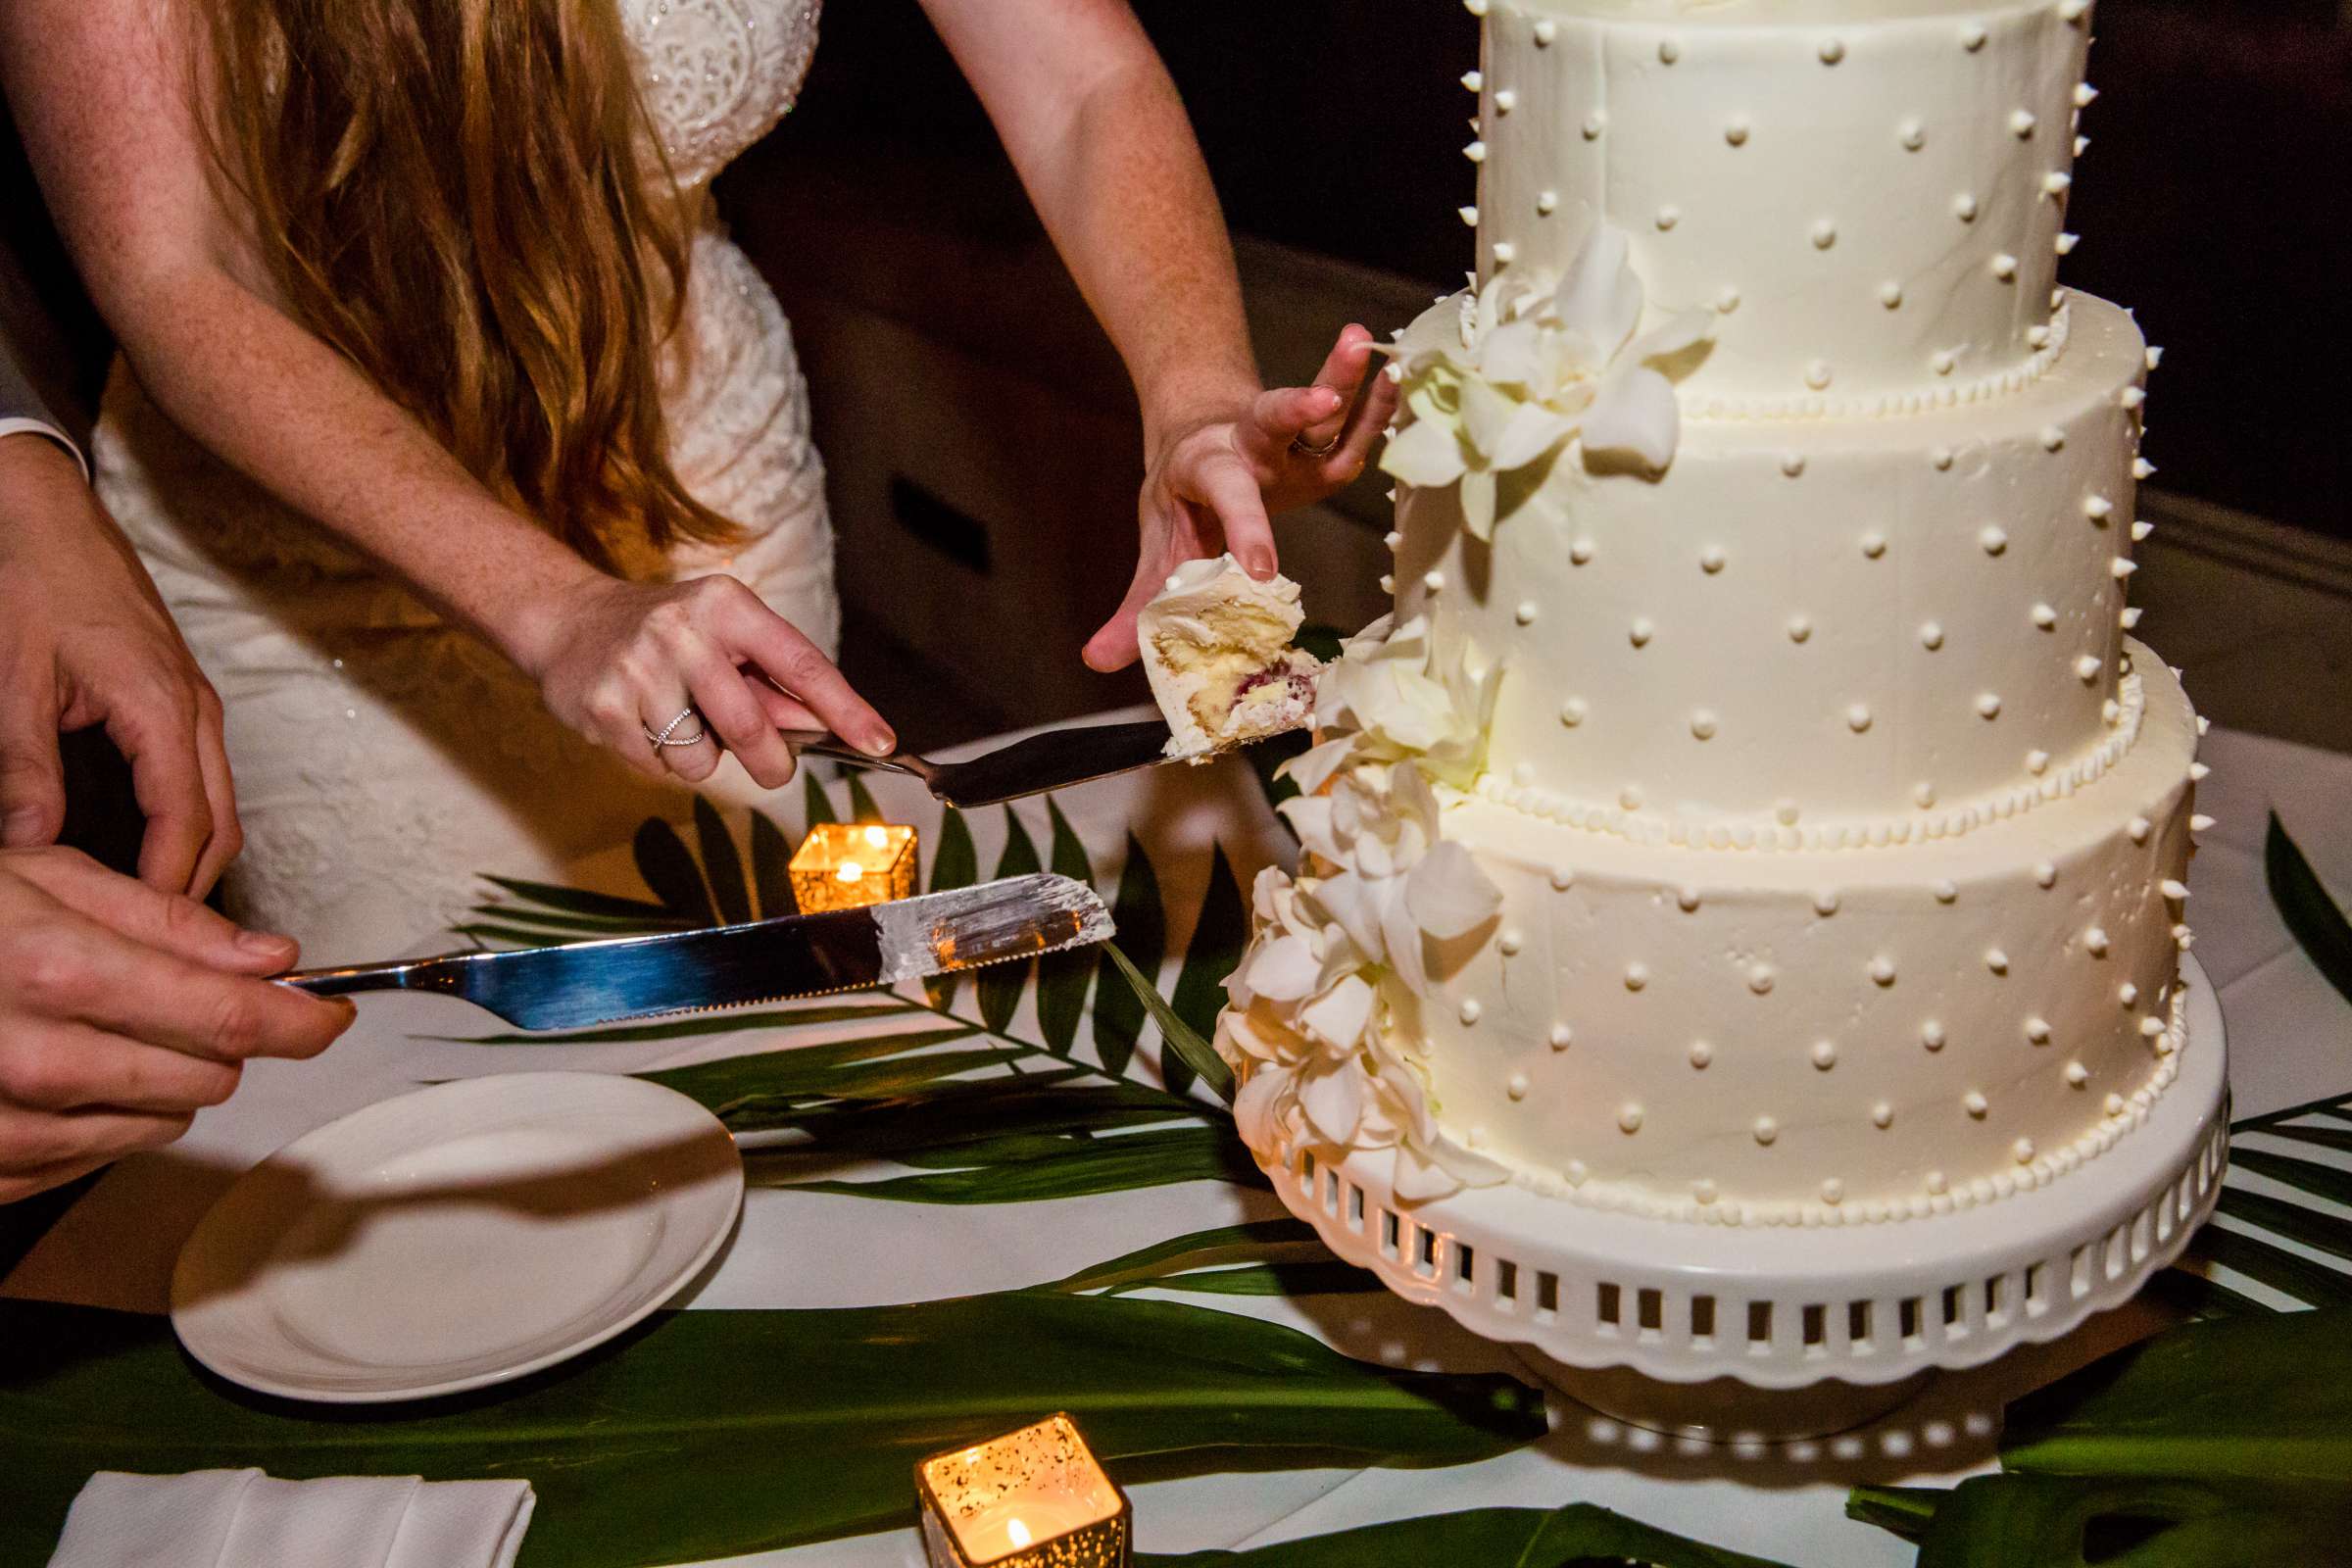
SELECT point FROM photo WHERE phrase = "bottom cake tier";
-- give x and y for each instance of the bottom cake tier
(1801, 1036)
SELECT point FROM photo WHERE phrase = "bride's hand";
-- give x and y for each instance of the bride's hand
(1215, 480)
(625, 659)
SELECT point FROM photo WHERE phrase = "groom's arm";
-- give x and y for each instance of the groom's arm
(85, 642)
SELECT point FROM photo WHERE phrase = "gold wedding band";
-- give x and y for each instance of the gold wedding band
(1299, 445)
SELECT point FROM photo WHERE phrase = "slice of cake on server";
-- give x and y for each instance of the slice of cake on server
(1216, 645)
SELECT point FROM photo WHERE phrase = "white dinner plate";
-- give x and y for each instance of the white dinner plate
(457, 1236)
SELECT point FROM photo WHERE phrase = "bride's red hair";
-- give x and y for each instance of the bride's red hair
(464, 197)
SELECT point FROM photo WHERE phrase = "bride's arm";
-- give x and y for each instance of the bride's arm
(1099, 136)
(99, 89)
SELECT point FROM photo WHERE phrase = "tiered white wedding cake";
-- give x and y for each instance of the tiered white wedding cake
(1754, 811)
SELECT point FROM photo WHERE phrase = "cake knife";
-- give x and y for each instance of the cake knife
(1052, 760)
(769, 960)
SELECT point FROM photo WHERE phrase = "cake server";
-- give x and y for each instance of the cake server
(1052, 760)
(770, 960)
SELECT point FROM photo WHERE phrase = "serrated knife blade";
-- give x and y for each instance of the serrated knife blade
(770, 960)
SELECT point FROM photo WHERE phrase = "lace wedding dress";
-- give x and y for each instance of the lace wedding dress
(384, 760)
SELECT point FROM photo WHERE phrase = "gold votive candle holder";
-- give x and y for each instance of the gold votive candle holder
(1032, 1498)
(847, 865)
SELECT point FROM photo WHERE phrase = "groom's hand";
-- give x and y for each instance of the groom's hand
(1216, 479)
(124, 1011)
(87, 641)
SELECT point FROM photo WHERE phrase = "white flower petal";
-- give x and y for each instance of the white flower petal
(1468, 1168)
(1600, 297)
(1348, 899)
(1334, 1104)
(1533, 431)
(1487, 412)
(1478, 503)
(1313, 769)
(1676, 334)
(1407, 960)
(1637, 415)
(1309, 816)
(1259, 1109)
(1283, 969)
(1419, 1179)
(1425, 453)
(1340, 1016)
(1447, 894)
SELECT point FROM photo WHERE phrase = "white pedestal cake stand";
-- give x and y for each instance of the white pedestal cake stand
(1734, 1333)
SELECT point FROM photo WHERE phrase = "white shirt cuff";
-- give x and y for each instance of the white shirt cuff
(20, 426)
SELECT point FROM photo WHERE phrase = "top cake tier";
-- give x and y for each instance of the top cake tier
(1872, 192)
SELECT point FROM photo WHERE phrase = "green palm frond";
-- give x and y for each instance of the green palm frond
(708, 1435)
(1263, 1257)
(1582, 1535)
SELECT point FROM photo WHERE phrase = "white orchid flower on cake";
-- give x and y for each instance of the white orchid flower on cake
(1390, 697)
(1499, 379)
(1323, 1006)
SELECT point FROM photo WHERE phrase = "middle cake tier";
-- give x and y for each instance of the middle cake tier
(1804, 630)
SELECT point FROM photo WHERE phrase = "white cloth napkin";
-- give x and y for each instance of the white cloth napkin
(245, 1519)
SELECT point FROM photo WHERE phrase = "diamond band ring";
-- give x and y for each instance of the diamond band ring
(669, 732)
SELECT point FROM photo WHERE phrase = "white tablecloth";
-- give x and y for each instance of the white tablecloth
(2290, 1041)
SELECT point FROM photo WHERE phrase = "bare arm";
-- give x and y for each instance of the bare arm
(99, 87)
(1101, 140)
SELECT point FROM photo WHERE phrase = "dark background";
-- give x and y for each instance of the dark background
(2212, 199)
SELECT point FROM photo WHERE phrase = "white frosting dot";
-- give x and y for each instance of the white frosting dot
(1833, 1192)
(1669, 51)
(1562, 1037)
(1637, 976)
(1994, 538)
(1824, 904)
(1976, 1105)
(1799, 628)
(1735, 130)
(1857, 719)
(1511, 942)
(1825, 233)
(1572, 712)
(1727, 299)
(2022, 122)
(1931, 636)
(1947, 892)
(2037, 763)
(1964, 206)
(1629, 1117)
(1817, 375)
(2022, 1151)
(2045, 874)
(1516, 1086)
(2044, 616)
(1527, 613)
(1471, 1012)
(1972, 36)
(1702, 724)
(1642, 631)
(1996, 961)
(2114, 1106)
(1767, 1130)
(1687, 901)
(1937, 1183)
(2127, 994)
(1890, 294)
(2077, 1075)
(1881, 1115)
(1711, 559)
(1825, 1054)
(1882, 970)
(1704, 1191)
(1701, 1054)
(1988, 706)
(1434, 581)
(1580, 551)
(1912, 135)
(1669, 216)
(1760, 979)
(1833, 50)
(2095, 940)
(1930, 1035)
(1562, 879)
(1873, 544)
(2038, 1030)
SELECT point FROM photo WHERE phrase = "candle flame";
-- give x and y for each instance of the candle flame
(1018, 1531)
(850, 872)
(877, 838)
